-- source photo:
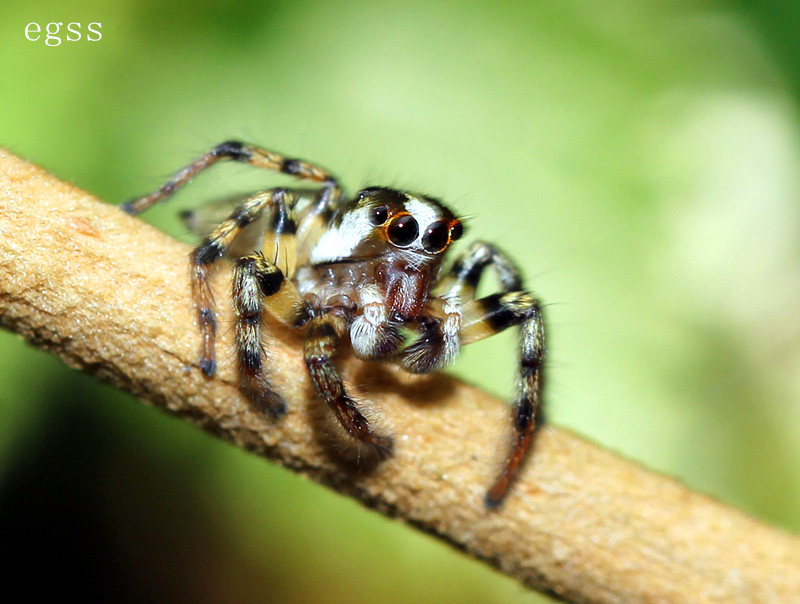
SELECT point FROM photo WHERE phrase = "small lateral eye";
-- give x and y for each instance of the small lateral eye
(366, 192)
(456, 230)
(403, 230)
(378, 215)
(436, 237)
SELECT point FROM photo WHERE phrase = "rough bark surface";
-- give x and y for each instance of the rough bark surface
(110, 296)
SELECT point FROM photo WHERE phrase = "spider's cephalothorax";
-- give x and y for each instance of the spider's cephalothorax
(361, 268)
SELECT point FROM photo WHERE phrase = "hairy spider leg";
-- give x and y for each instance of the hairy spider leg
(322, 337)
(240, 152)
(490, 315)
(220, 240)
(465, 273)
(257, 284)
(279, 203)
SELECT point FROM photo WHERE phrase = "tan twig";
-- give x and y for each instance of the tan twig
(110, 296)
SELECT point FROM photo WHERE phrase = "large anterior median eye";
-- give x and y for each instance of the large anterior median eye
(436, 237)
(403, 230)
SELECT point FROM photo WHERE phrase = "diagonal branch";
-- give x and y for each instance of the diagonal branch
(110, 296)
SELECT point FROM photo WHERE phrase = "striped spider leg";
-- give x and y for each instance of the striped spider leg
(216, 244)
(465, 319)
(325, 331)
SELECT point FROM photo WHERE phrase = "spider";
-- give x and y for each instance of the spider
(368, 267)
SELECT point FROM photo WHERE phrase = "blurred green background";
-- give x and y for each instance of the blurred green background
(639, 159)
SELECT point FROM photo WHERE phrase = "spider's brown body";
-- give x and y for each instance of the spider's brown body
(367, 268)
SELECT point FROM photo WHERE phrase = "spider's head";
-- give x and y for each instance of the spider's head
(408, 223)
(410, 234)
(385, 222)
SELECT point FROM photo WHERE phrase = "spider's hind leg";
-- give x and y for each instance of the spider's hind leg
(277, 202)
(239, 152)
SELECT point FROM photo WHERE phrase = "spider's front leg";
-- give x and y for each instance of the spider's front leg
(324, 333)
(485, 317)
(491, 315)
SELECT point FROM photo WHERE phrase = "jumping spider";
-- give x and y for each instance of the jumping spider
(366, 267)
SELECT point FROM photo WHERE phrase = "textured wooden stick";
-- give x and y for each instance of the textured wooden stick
(110, 295)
